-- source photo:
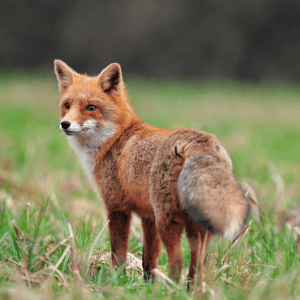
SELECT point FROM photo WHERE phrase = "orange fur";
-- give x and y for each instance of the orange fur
(173, 179)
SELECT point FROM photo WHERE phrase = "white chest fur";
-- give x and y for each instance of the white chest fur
(86, 156)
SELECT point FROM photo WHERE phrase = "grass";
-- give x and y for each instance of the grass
(50, 214)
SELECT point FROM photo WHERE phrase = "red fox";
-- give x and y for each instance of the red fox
(172, 179)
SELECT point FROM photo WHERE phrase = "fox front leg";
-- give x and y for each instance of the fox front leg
(119, 233)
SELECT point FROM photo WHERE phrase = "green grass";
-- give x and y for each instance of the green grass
(43, 188)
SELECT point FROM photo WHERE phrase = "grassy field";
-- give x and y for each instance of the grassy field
(50, 214)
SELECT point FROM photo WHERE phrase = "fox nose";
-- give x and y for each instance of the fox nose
(65, 124)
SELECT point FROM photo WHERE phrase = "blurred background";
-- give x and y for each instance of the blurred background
(253, 40)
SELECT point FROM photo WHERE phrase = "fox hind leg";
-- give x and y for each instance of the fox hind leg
(170, 236)
(151, 246)
(199, 239)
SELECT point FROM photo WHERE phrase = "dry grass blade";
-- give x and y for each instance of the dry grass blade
(46, 257)
(92, 228)
(89, 257)
(22, 239)
(4, 261)
(231, 283)
(279, 185)
(236, 241)
(261, 265)
(3, 239)
(36, 231)
(204, 290)
(223, 268)
(61, 258)
(279, 257)
(27, 276)
(38, 276)
(11, 261)
(19, 232)
(74, 252)
(163, 278)
(60, 274)
(203, 247)
(209, 253)
(74, 255)
(250, 194)
(32, 280)
(41, 272)
(134, 263)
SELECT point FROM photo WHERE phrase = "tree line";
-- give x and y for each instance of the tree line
(253, 40)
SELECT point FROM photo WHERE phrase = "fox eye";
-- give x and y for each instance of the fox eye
(67, 105)
(91, 108)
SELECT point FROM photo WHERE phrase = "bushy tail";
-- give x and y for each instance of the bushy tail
(211, 195)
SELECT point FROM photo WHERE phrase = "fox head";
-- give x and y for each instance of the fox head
(92, 109)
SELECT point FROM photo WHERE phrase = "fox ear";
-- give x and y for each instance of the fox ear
(111, 79)
(64, 74)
